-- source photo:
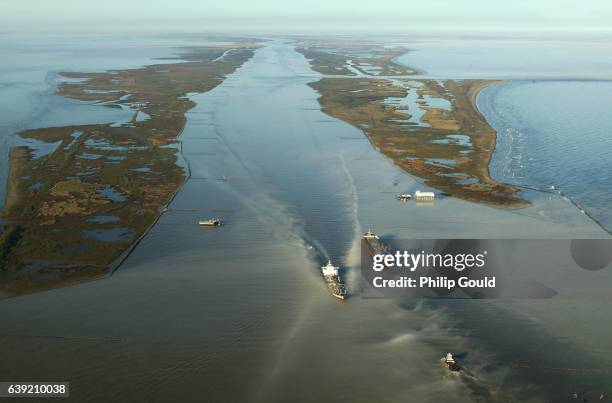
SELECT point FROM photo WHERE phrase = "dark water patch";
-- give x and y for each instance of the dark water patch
(141, 169)
(44, 276)
(468, 181)
(106, 145)
(437, 103)
(441, 162)
(75, 249)
(115, 157)
(141, 116)
(103, 219)
(117, 234)
(455, 139)
(461, 178)
(89, 156)
(94, 91)
(38, 148)
(112, 194)
(75, 136)
(87, 172)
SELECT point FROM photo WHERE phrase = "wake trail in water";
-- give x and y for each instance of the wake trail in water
(352, 256)
(270, 380)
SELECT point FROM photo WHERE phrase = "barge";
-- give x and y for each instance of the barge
(210, 222)
(374, 244)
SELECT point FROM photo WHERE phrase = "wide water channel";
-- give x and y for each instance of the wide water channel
(240, 313)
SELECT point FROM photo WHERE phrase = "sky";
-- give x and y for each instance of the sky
(307, 15)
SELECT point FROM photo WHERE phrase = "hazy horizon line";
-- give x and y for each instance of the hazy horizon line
(61, 28)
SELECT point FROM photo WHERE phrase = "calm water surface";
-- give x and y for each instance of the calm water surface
(240, 313)
(507, 58)
(555, 133)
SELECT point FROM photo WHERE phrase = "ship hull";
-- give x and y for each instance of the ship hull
(335, 286)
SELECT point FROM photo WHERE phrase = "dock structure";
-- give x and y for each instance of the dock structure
(424, 196)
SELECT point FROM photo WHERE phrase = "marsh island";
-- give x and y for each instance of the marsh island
(430, 128)
(73, 209)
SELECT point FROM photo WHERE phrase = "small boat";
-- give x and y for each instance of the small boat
(404, 196)
(451, 363)
(211, 222)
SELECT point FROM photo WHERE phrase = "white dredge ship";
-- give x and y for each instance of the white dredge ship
(331, 273)
(332, 278)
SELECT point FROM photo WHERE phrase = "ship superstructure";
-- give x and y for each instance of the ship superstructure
(331, 274)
